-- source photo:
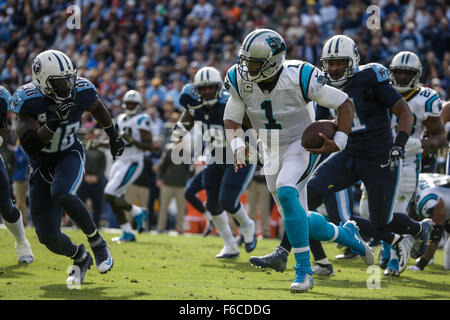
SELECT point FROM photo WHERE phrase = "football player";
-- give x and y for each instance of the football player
(372, 154)
(405, 71)
(433, 201)
(134, 127)
(49, 110)
(274, 93)
(445, 117)
(12, 217)
(205, 102)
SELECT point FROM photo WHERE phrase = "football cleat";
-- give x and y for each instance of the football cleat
(358, 245)
(421, 243)
(249, 235)
(125, 237)
(403, 251)
(103, 258)
(302, 282)
(79, 268)
(140, 220)
(320, 269)
(276, 260)
(209, 228)
(384, 255)
(24, 253)
(392, 267)
(348, 254)
(229, 252)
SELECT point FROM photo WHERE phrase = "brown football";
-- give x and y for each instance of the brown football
(311, 138)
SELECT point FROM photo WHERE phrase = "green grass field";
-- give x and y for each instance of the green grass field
(163, 267)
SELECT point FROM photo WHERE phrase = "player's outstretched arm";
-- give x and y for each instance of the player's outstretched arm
(436, 134)
(103, 117)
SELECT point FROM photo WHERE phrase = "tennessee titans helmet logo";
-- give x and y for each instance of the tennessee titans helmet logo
(276, 44)
(37, 66)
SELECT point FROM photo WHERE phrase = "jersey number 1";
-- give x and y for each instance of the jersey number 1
(272, 123)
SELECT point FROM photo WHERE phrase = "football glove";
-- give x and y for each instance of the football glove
(178, 132)
(116, 143)
(64, 108)
(396, 154)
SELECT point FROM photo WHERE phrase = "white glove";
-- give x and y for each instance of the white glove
(178, 132)
(414, 145)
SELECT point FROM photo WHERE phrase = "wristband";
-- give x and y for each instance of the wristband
(237, 143)
(340, 139)
(401, 139)
(111, 132)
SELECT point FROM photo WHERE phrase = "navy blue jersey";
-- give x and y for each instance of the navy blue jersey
(373, 96)
(28, 99)
(5, 98)
(212, 119)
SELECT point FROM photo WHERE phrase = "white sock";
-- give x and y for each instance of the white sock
(323, 261)
(242, 217)
(135, 210)
(16, 228)
(223, 228)
(207, 215)
(126, 227)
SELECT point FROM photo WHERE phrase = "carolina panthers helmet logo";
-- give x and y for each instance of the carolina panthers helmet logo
(276, 44)
(37, 66)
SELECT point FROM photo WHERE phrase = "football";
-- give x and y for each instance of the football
(311, 138)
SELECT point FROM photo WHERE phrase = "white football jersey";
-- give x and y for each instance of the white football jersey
(424, 103)
(285, 108)
(133, 124)
(431, 188)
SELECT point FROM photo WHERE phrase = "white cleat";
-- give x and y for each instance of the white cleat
(228, 252)
(249, 234)
(24, 253)
(304, 286)
(403, 250)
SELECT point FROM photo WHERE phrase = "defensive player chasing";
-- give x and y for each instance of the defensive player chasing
(405, 71)
(371, 155)
(49, 112)
(205, 101)
(12, 217)
(134, 128)
(274, 93)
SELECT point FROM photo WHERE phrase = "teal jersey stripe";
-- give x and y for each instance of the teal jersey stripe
(233, 78)
(430, 102)
(305, 77)
(142, 119)
(312, 160)
(425, 200)
(129, 174)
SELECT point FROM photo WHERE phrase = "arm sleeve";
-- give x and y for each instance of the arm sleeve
(313, 87)
(433, 106)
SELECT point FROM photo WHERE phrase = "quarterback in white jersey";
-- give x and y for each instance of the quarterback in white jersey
(425, 105)
(274, 93)
(134, 127)
(433, 201)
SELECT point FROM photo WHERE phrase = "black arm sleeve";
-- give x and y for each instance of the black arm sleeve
(31, 143)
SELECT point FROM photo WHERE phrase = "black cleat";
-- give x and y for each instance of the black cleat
(80, 267)
(276, 260)
(103, 258)
(348, 254)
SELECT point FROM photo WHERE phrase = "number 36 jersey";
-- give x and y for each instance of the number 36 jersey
(28, 99)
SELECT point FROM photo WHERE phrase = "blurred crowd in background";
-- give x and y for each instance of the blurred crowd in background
(156, 47)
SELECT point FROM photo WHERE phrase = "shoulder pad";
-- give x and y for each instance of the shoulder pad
(381, 72)
(231, 79)
(5, 99)
(188, 98)
(28, 99)
(224, 97)
(83, 84)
